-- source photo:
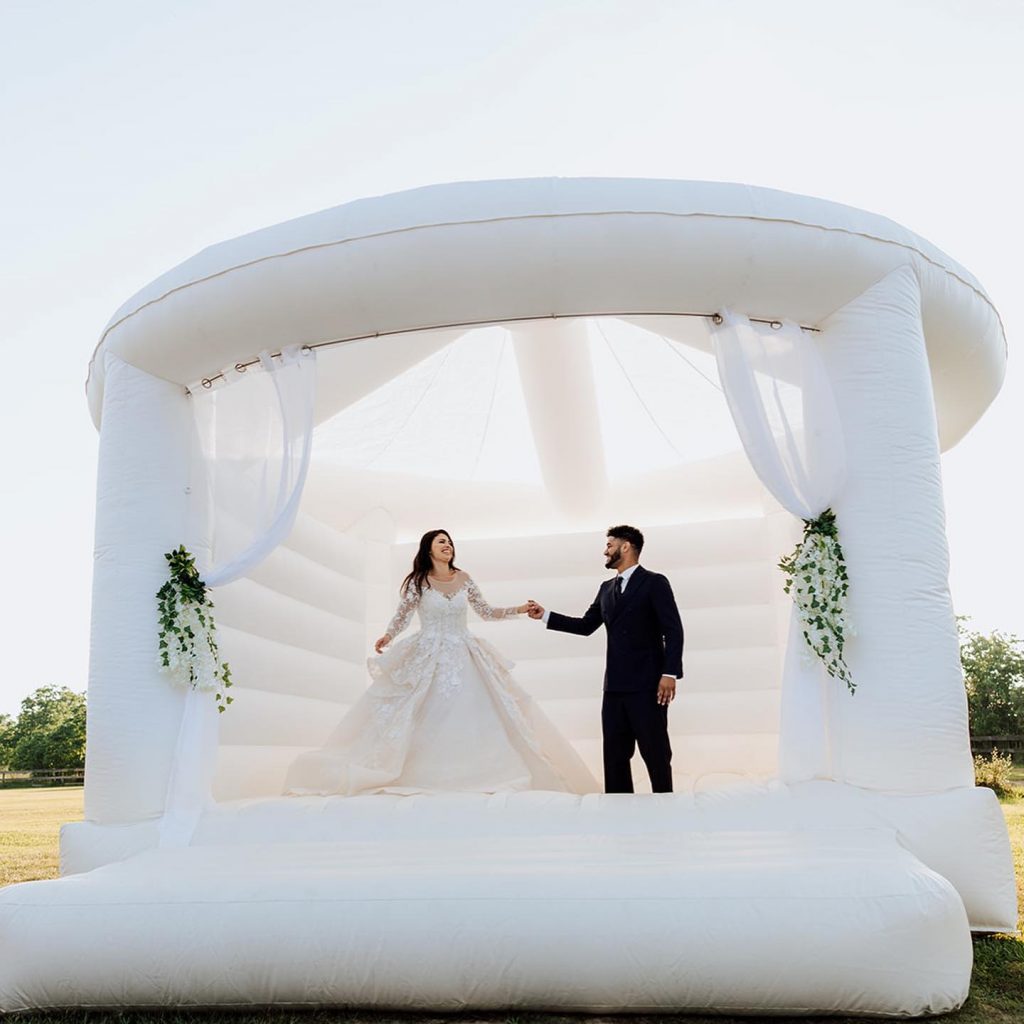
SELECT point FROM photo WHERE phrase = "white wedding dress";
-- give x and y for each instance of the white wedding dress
(442, 714)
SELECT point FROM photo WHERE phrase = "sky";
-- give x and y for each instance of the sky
(136, 133)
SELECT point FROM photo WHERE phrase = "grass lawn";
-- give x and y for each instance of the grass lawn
(30, 821)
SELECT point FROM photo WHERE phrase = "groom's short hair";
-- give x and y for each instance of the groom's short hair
(630, 533)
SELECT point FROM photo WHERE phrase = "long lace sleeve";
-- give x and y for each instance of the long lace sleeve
(403, 614)
(482, 608)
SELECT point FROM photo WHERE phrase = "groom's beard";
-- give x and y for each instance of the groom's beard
(613, 561)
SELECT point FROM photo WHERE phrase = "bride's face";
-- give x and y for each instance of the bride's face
(442, 549)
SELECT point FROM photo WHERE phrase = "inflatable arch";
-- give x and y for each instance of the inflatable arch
(524, 363)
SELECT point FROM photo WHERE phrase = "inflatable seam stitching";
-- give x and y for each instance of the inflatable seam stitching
(543, 216)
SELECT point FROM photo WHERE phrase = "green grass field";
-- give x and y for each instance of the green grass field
(30, 820)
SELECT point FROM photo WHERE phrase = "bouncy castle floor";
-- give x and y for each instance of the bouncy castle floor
(761, 898)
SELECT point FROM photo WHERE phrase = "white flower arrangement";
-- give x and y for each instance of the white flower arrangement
(188, 634)
(816, 579)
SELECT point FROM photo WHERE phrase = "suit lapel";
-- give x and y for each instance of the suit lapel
(635, 584)
(608, 606)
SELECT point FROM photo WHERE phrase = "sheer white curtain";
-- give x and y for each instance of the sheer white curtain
(781, 400)
(253, 437)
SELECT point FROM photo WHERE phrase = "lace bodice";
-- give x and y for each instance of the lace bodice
(443, 610)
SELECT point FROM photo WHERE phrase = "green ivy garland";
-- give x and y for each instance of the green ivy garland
(816, 579)
(188, 634)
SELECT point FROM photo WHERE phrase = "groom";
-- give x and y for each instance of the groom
(644, 659)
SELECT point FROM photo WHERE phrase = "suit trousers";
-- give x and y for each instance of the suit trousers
(629, 720)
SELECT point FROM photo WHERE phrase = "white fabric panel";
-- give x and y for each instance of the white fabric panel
(905, 656)
(294, 634)
(262, 664)
(782, 404)
(247, 606)
(733, 755)
(252, 770)
(255, 433)
(485, 251)
(722, 671)
(330, 548)
(140, 513)
(755, 754)
(744, 711)
(725, 584)
(737, 712)
(732, 668)
(346, 924)
(263, 718)
(781, 400)
(298, 576)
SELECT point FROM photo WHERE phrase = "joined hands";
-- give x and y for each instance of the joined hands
(534, 610)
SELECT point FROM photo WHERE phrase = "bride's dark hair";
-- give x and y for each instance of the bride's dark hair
(423, 563)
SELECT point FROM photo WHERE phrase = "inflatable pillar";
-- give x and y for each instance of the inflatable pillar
(142, 506)
(905, 728)
(558, 385)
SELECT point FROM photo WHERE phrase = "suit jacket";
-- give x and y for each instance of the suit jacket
(645, 633)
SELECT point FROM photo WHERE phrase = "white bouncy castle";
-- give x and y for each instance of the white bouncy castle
(524, 364)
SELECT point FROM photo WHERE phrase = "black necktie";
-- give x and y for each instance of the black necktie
(616, 591)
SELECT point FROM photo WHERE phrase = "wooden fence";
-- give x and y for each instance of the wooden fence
(1013, 745)
(42, 777)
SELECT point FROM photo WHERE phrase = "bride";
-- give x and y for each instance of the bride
(442, 712)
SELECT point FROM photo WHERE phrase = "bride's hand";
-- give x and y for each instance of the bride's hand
(382, 643)
(523, 608)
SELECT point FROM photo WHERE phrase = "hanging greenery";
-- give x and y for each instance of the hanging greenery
(188, 634)
(816, 580)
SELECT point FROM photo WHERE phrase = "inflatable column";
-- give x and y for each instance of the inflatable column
(141, 512)
(905, 728)
(558, 385)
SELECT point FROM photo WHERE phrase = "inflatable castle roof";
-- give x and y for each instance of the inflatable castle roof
(469, 253)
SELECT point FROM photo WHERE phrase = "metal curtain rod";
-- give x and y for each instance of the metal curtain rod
(775, 324)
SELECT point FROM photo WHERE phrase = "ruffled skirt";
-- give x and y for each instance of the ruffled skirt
(442, 714)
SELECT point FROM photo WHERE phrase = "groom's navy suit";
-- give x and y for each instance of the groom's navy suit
(645, 642)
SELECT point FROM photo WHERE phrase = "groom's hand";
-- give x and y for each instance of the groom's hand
(666, 690)
(534, 610)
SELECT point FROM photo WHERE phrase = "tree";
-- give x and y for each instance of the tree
(50, 730)
(994, 676)
(6, 740)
